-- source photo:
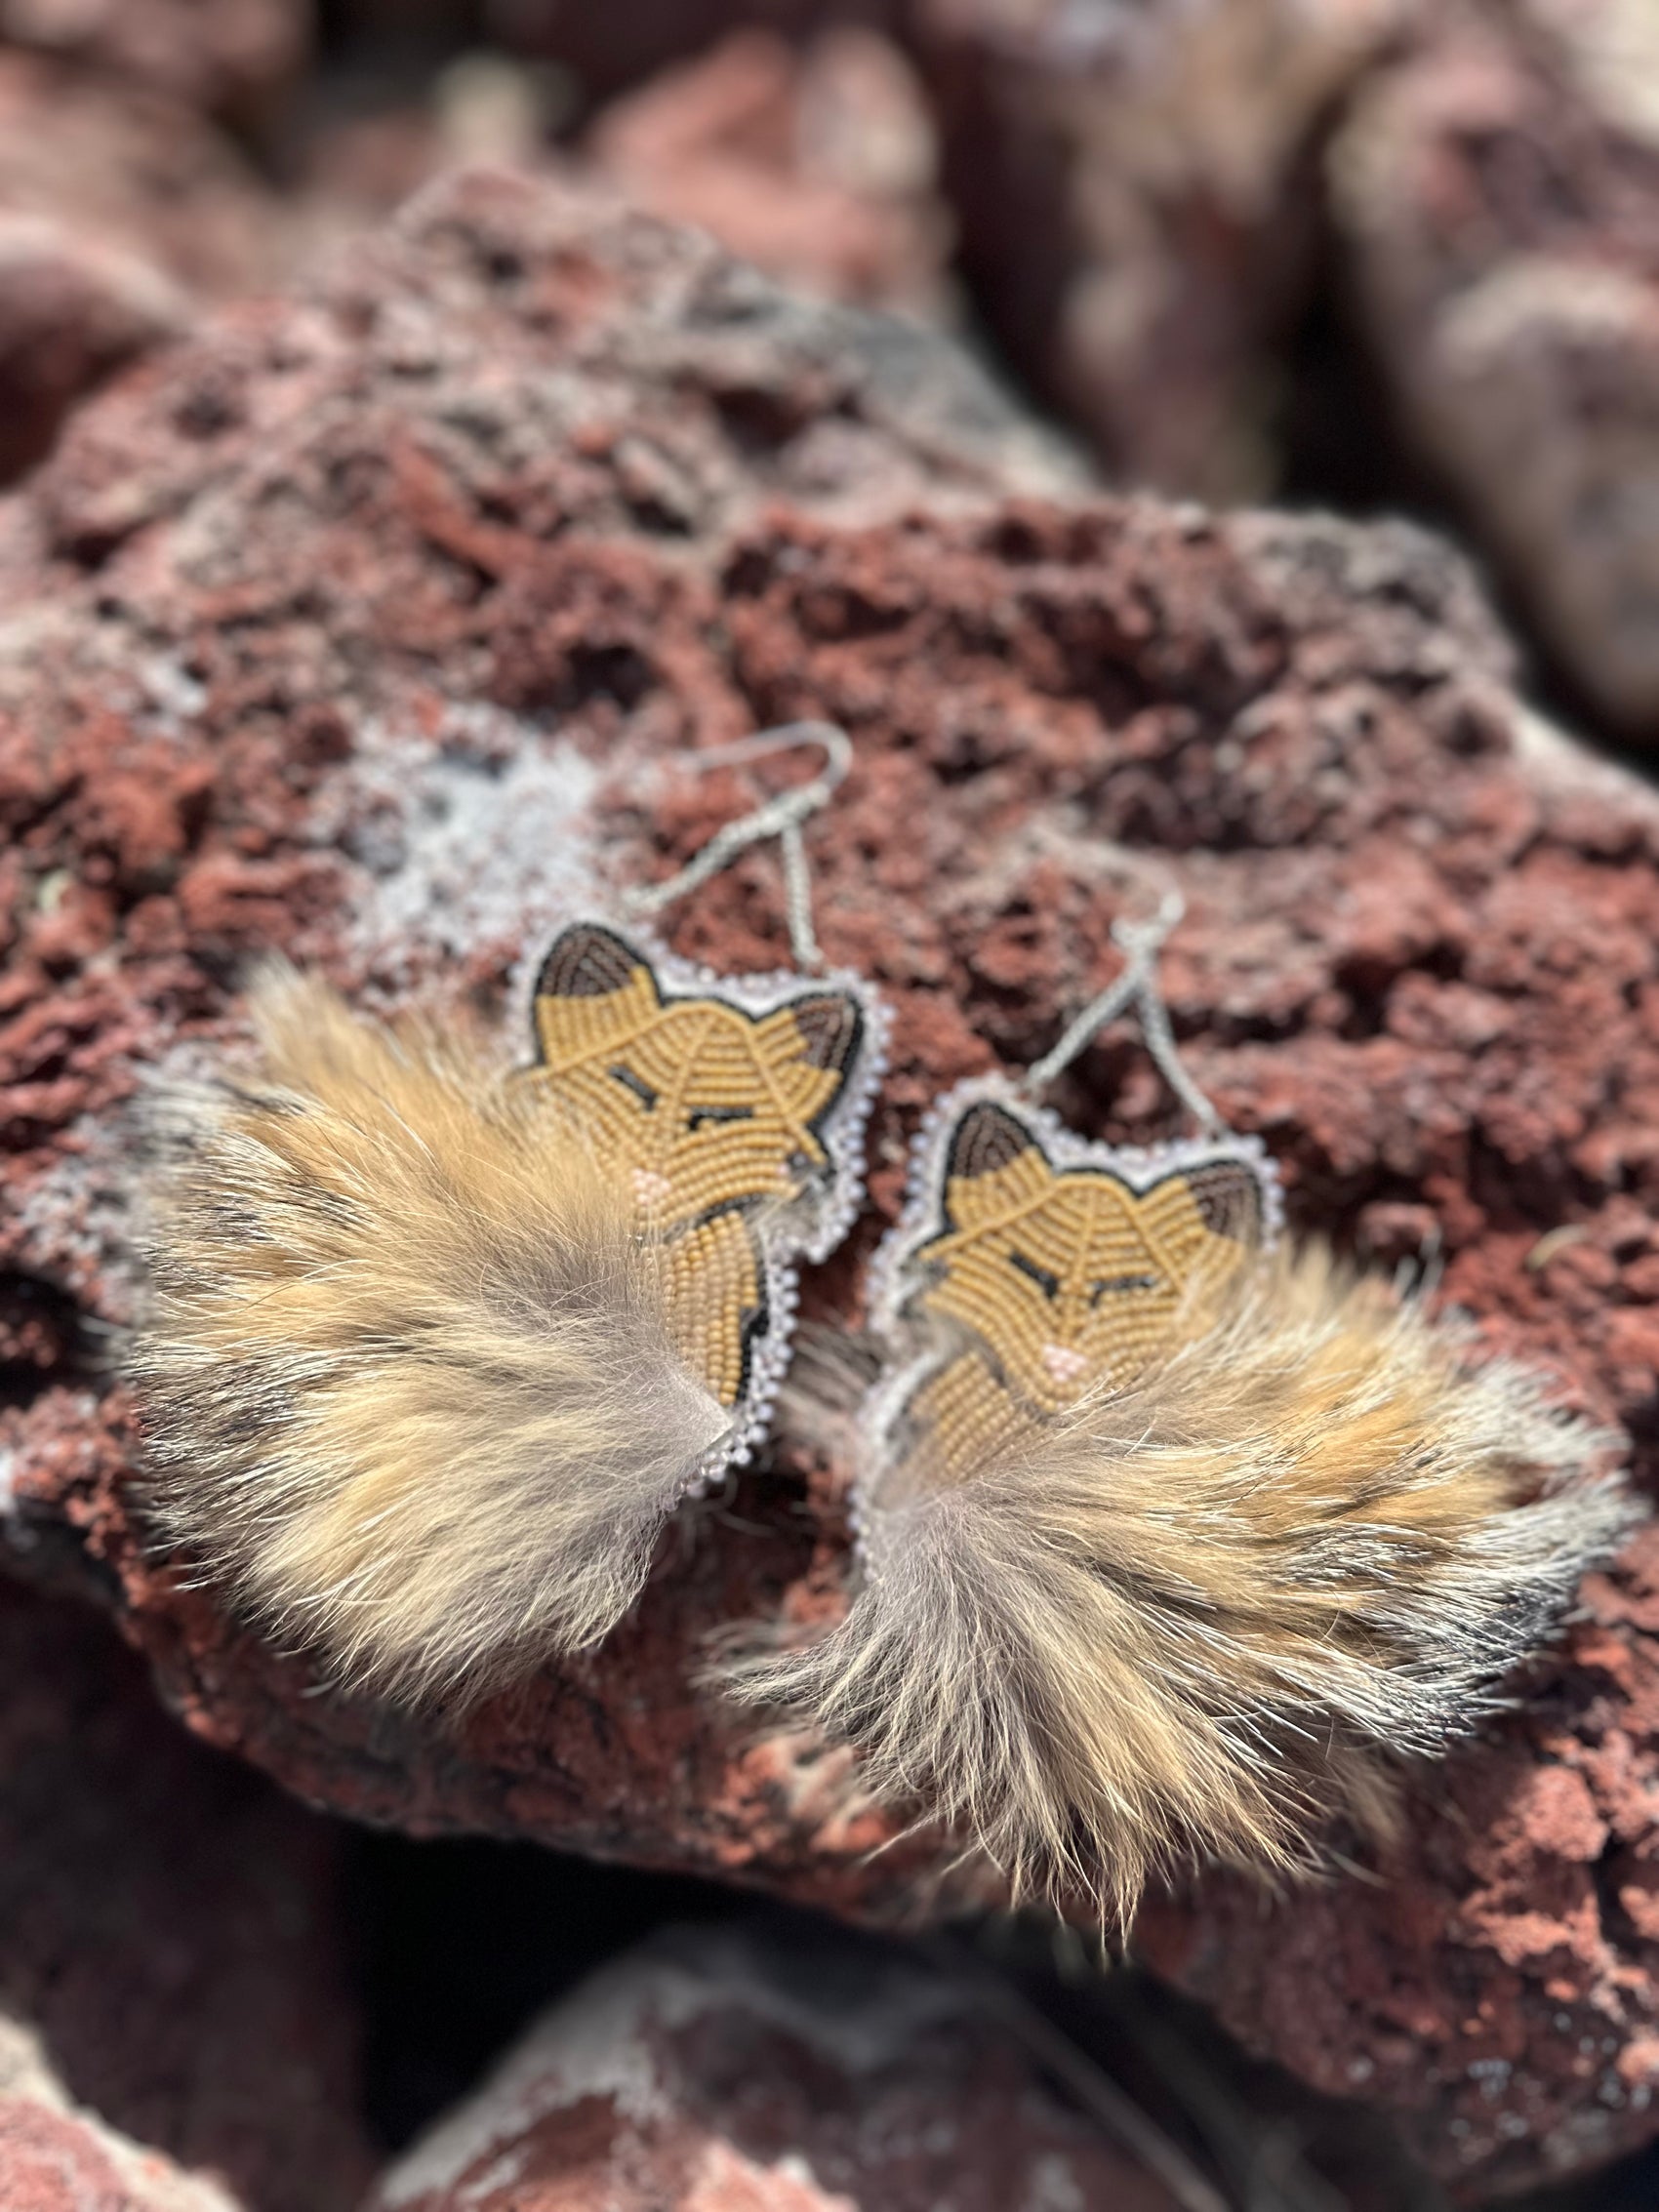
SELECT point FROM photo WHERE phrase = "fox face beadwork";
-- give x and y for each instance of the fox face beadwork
(1031, 1269)
(731, 1114)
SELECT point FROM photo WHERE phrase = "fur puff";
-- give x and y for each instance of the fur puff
(408, 1377)
(1200, 1613)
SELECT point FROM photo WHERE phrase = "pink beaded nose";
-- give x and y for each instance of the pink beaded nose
(1065, 1362)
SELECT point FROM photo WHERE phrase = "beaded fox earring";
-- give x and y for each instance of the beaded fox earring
(1169, 1536)
(437, 1340)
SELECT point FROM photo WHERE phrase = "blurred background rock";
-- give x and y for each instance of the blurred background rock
(1377, 254)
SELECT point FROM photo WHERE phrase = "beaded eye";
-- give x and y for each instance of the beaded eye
(1046, 1280)
(630, 1081)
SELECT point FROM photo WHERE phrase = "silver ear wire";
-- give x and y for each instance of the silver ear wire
(1133, 986)
(779, 817)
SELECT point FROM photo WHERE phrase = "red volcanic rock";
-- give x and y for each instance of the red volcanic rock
(721, 2073)
(225, 55)
(119, 212)
(1498, 193)
(173, 2031)
(55, 2158)
(1133, 187)
(816, 163)
(370, 626)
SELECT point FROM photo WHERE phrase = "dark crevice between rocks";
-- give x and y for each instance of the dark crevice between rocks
(51, 1558)
(1632, 2186)
(1340, 443)
(397, 37)
(44, 1339)
(457, 1944)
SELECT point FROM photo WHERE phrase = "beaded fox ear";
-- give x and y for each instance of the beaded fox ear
(437, 1340)
(1170, 1538)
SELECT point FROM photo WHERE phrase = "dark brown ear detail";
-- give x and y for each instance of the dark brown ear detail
(830, 1028)
(1228, 1199)
(987, 1138)
(587, 961)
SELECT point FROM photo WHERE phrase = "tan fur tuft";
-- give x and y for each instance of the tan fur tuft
(1202, 1614)
(408, 1375)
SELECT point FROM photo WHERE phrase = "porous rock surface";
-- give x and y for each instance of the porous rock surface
(55, 2156)
(1497, 193)
(176, 2035)
(365, 625)
(716, 2072)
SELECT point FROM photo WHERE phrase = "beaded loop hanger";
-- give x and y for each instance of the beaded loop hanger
(782, 816)
(732, 1108)
(1133, 986)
